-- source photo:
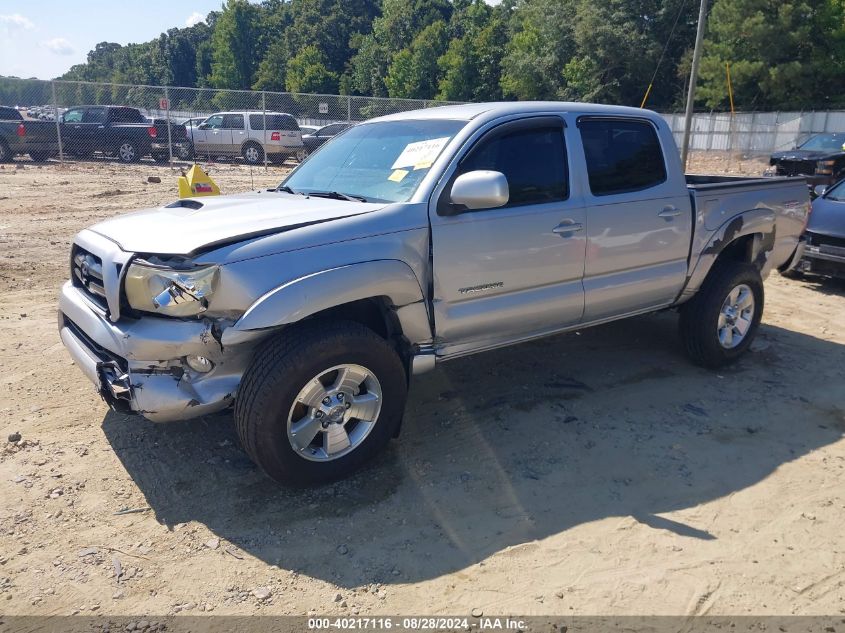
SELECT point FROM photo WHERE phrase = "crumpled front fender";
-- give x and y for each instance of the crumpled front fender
(308, 295)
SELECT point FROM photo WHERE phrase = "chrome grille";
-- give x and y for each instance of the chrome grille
(787, 167)
(87, 274)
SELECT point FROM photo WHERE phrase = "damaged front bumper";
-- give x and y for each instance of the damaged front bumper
(823, 259)
(138, 365)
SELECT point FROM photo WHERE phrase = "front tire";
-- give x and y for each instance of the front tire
(319, 400)
(719, 323)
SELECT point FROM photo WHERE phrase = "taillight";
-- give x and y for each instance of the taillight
(276, 136)
(152, 132)
(21, 130)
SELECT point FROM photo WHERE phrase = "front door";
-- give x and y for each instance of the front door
(512, 272)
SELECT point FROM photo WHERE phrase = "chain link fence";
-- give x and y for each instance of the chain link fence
(76, 120)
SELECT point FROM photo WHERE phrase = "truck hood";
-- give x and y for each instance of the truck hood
(190, 225)
(827, 218)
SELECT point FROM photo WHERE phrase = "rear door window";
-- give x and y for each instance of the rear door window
(127, 115)
(622, 155)
(233, 121)
(94, 115)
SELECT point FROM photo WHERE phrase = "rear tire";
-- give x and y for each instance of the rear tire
(270, 408)
(719, 323)
(5, 153)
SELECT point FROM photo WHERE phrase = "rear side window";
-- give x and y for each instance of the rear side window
(621, 155)
(331, 130)
(233, 121)
(94, 115)
(10, 114)
(127, 115)
(275, 122)
(533, 160)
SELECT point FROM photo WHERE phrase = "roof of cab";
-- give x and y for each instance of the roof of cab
(469, 111)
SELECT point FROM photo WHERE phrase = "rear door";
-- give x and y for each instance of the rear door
(232, 133)
(512, 272)
(639, 220)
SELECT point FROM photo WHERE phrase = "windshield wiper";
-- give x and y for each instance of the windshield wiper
(287, 189)
(336, 195)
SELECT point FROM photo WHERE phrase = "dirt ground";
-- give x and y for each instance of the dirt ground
(597, 472)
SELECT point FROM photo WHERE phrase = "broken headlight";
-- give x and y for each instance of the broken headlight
(163, 290)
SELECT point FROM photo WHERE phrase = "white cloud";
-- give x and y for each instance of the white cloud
(15, 21)
(59, 46)
(195, 18)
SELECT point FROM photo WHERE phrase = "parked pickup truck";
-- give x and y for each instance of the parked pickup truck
(18, 136)
(122, 132)
(820, 159)
(407, 241)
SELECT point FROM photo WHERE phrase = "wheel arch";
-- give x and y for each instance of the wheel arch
(252, 141)
(748, 237)
(384, 295)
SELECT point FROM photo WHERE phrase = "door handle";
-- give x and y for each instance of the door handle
(571, 227)
(669, 212)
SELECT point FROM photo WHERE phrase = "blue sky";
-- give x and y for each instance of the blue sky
(44, 38)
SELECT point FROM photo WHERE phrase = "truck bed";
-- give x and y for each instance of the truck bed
(707, 183)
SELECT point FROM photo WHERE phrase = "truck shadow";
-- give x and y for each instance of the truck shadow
(510, 447)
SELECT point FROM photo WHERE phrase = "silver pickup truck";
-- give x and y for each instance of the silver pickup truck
(406, 241)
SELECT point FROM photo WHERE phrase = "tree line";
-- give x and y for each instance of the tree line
(783, 54)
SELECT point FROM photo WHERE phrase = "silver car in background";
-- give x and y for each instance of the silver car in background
(250, 135)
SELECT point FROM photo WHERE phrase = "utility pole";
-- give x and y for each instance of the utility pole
(696, 58)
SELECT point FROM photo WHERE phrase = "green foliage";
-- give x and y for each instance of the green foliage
(413, 72)
(307, 72)
(234, 41)
(782, 54)
(785, 54)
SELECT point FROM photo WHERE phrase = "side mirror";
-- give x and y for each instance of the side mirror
(819, 190)
(480, 189)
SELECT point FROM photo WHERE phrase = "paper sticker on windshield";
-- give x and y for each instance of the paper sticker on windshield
(423, 165)
(398, 175)
(420, 152)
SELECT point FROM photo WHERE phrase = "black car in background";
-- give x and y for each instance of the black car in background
(821, 159)
(824, 253)
(316, 138)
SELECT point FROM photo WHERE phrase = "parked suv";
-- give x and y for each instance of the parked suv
(249, 135)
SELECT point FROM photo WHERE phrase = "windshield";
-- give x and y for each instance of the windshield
(380, 162)
(825, 142)
(837, 192)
